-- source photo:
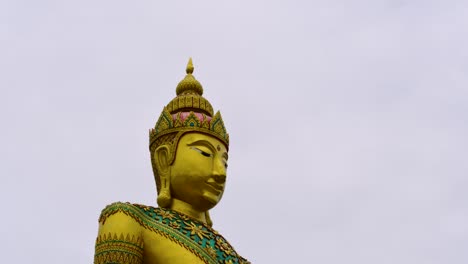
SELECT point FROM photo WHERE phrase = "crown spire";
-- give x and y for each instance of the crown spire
(189, 85)
(190, 67)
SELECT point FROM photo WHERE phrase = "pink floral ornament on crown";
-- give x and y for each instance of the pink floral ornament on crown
(184, 115)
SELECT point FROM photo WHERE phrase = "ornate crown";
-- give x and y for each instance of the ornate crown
(189, 112)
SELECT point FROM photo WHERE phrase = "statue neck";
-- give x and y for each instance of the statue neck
(188, 209)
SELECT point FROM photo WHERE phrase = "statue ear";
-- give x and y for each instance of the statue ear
(161, 158)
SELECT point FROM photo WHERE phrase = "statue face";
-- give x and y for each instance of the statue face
(198, 174)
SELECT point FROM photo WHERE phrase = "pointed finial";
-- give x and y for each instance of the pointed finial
(190, 68)
(189, 84)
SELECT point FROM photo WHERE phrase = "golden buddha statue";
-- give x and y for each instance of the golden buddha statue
(189, 152)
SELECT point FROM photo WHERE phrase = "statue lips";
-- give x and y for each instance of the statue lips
(217, 188)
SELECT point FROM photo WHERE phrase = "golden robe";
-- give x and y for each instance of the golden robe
(139, 234)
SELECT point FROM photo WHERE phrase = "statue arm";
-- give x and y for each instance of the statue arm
(119, 240)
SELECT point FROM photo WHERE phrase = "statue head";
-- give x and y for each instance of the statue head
(189, 148)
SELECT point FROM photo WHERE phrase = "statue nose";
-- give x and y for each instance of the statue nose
(219, 172)
(220, 178)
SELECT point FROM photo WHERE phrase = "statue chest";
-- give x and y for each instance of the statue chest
(170, 237)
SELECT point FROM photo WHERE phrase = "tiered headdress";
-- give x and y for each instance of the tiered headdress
(187, 112)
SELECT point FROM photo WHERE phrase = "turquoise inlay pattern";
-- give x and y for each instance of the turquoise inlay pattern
(197, 237)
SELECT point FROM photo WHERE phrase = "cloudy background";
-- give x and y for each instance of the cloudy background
(348, 123)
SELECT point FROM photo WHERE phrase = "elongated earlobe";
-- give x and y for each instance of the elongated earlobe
(164, 196)
(161, 158)
(208, 219)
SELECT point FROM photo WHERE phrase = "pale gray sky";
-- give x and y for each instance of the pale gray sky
(348, 123)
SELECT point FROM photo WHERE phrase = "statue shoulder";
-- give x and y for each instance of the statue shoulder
(128, 209)
(119, 218)
(119, 237)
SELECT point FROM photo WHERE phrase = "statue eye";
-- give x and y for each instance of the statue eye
(206, 154)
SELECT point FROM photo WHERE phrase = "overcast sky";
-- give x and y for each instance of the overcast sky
(348, 123)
